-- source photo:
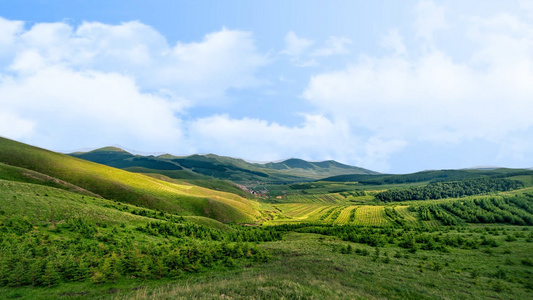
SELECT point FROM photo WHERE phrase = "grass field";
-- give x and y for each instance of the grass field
(318, 198)
(45, 205)
(116, 184)
(310, 266)
(367, 215)
(336, 244)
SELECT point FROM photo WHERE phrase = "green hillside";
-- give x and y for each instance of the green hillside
(429, 176)
(50, 236)
(123, 186)
(70, 228)
(220, 167)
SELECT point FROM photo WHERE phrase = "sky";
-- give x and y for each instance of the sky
(392, 86)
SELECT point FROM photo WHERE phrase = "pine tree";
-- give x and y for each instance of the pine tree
(36, 271)
(18, 275)
(82, 271)
(51, 276)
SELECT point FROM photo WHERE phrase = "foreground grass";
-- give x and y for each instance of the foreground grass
(307, 266)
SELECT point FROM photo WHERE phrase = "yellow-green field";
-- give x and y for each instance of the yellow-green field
(27, 162)
(342, 214)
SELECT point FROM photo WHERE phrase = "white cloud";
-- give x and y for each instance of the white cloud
(90, 107)
(222, 60)
(526, 5)
(434, 98)
(64, 87)
(14, 127)
(294, 45)
(334, 46)
(302, 54)
(394, 41)
(9, 31)
(430, 18)
(376, 152)
(316, 138)
(297, 48)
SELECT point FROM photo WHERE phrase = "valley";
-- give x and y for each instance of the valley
(108, 224)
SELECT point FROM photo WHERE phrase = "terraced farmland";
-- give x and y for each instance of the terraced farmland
(347, 215)
(297, 210)
(512, 208)
(338, 214)
(316, 198)
(409, 218)
(370, 215)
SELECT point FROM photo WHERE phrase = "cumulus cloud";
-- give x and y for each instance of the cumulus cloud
(98, 84)
(67, 87)
(222, 60)
(317, 136)
(334, 46)
(394, 41)
(297, 49)
(12, 126)
(431, 97)
(89, 108)
(430, 18)
(301, 52)
(294, 45)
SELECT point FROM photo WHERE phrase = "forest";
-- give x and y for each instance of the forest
(453, 189)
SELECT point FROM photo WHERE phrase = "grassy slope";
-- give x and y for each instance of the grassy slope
(221, 167)
(181, 176)
(13, 173)
(304, 266)
(44, 204)
(129, 187)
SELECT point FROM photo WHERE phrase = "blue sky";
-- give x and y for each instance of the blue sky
(393, 86)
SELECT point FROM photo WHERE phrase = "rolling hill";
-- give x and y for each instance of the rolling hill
(25, 163)
(74, 228)
(211, 166)
(428, 176)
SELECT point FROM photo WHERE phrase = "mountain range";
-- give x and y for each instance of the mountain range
(198, 167)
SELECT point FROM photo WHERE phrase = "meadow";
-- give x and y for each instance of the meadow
(64, 233)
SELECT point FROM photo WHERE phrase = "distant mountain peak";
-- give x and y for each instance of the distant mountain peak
(167, 156)
(109, 149)
(484, 168)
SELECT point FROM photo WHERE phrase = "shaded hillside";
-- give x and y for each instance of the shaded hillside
(120, 185)
(221, 167)
(430, 176)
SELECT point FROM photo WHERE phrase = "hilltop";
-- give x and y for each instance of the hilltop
(32, 164)
(220, 167)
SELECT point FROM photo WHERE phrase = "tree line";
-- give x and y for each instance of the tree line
(516, 210)
(453, 189)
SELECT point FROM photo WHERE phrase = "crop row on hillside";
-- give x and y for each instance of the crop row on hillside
(516, 210)
(313, 198)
